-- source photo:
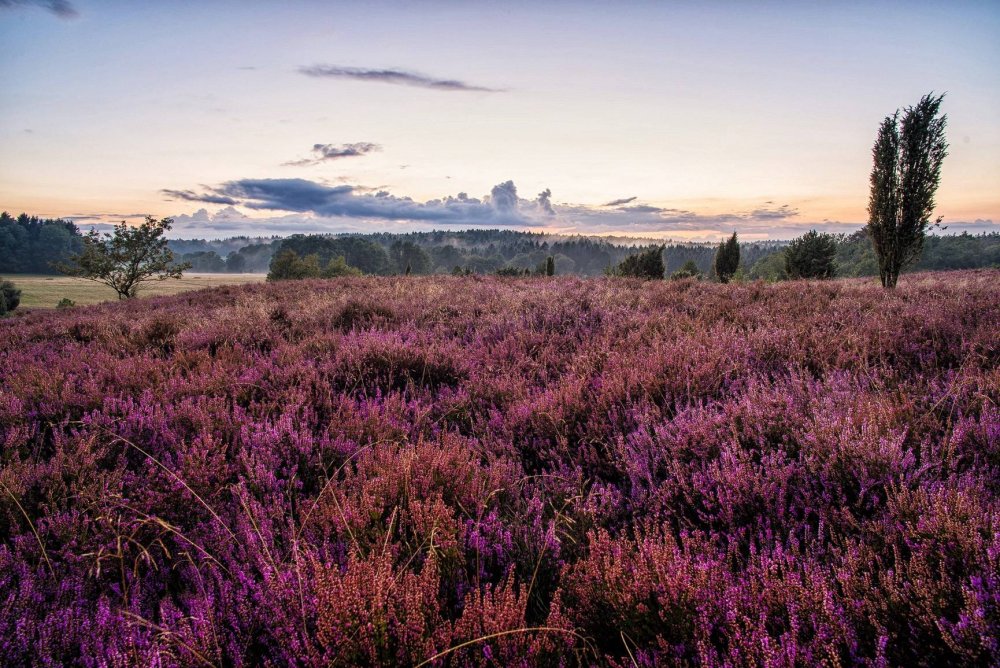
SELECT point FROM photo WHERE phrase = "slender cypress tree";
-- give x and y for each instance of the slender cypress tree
(907, 160)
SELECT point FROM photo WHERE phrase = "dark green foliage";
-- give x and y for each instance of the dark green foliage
(65, 303)
(907, 160)
(287, 265)
(769, 268)
(647, 264)
(205, 261)
(255, 258)
(410, 258)
(10, 297)
(338, 267)
(362, 252)
(727, 259)
(550, 266)
(856, 256)
(31, 245)
(126, 258)
(688, 270)
(236, 263)
(811, 256)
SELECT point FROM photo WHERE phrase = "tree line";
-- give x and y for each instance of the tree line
(31, 245)
(907, 157)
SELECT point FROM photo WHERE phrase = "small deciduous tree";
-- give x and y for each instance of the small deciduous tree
(126, 257)
(811, 255)
(907, 158)
(727, 258)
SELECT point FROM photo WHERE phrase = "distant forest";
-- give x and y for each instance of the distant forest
(31, 245)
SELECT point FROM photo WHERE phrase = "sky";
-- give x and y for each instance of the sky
(679, 120)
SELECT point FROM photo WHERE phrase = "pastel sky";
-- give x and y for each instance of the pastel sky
(681, 120)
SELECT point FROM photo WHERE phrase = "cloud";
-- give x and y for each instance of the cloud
(61, 8)
(391, 76)
(192, 196)
(774, 212)
(325, 152)
(544, 202)
(287, 206)
(504, 196)
(619, 202)
(642, 208)
(501, 208)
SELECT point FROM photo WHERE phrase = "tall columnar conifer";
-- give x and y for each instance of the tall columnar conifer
(727, 258)
(907, 157)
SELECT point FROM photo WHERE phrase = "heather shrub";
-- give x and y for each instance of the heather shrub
(477, 471)
(362, 314)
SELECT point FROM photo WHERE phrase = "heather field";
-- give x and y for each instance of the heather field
(491, 472)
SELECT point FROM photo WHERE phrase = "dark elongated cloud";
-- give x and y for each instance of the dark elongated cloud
(302, 196)
(643, 208)
(620, 202)
(191, 196)
(391, 76)
(325, 152)
(61, 8)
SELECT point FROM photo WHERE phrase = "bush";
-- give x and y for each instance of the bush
(647, 264)
(338, 267)
(287, 265)
(10, 297)
(811, 256)
(65, 302)
(727, 259)
(770, 268)
(688, 270)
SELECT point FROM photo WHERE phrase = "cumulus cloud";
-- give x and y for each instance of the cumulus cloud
(544, 202)
(325, 152)
(501, 208)
(391, 76)
(61, 8)
(504, 196)
(301, 205)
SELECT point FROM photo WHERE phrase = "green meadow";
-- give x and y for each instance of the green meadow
(41, 291)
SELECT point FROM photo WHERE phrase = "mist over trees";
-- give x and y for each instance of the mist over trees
(29, 244)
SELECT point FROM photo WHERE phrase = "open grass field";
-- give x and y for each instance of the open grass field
(476, 471)
(41, 291)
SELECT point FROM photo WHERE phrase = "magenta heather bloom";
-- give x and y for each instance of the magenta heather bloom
(485, 472)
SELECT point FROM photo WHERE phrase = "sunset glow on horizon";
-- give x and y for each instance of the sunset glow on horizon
(659, 120)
